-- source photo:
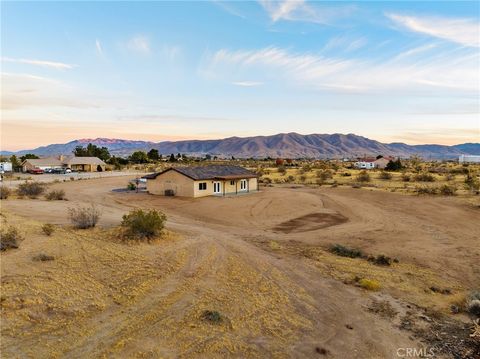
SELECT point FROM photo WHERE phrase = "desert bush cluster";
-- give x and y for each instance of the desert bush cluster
(55, 195)
(84, 217)
(10, 238)
(4, 192)
(142, 224)
(363, 176)
(424, 177)
(42, 257)
(343, 251)
(385, 175)
(48, 229)
(212, 316)
(31, 189)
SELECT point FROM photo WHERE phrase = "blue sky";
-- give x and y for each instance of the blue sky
(392, 71)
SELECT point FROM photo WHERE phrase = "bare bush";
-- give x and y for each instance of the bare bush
(363, 176)
(84, 217)
(448, 190)
(31, 189)
(10, 238)
(406, 177)
(385, 175)
(426, 190)
(48, 229)
(424, 177)
(43, 258)
(4, 192)
(55, 195)
(140, 224)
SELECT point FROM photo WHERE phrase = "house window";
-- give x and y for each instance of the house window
(202, 186)
(243, 184)
(232, 183)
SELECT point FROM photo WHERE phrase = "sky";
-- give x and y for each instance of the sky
(390, 71)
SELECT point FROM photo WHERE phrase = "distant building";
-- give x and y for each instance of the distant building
(201, 181)
(367, 163)
(81, 164)
(382, 162)
(469, 159)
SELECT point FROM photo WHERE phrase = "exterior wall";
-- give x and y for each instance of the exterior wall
(172, 180)
(184, 186)
(381, 163)
(365, 165)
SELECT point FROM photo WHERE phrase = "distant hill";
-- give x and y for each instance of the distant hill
(287, 145)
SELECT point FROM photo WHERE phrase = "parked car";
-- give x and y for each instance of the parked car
(35, 171)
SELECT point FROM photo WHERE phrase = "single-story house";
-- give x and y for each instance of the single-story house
(382, 162)
(201, 181)
(83, 164)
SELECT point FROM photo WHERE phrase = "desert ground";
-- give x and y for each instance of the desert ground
(262, 260)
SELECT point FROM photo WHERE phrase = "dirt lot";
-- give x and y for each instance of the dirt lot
(261, 260)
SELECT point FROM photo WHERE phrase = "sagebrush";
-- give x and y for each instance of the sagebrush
(10, 238)
(84, 217)
(143, 224)
(55, 195)
(31, 189)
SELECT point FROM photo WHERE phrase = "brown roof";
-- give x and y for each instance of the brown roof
(209, 172)
(66, 161)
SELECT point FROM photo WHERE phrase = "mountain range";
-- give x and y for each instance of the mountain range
(286, 145)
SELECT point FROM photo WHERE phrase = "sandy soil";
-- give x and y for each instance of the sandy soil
(259, 259)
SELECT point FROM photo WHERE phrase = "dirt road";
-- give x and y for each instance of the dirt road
(259, 259)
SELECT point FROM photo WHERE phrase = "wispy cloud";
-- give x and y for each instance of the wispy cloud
(447, 71)
(139, 43)
(171, 52)
(227, 6)
(463, 31)
(247, 83)
(49, 64)
(300, 10)
(98, 47)
(345, 43)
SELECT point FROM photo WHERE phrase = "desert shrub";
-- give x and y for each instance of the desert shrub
(346, 174)
(424, 177)
(290, 179)
(426, 190)
(449, 177)
(131, 186)
(212, 316)
(473, 303)
(140, 224)
(55, 195)
(4, 192)
(43, 258)
(356, 185)
(10, 238)
(324, 175)
(363, 176)
(48, 229)
(448, 190)
(266, 180)
(31, 189)
(303, 178)
(381, 260)
(84, 217)
(282, 170)
(406, 177)
(369, 284)
(472, 183)
(385, 175)
(343, 251)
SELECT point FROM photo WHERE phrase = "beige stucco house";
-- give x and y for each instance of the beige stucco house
(82, 164)
(201, 181)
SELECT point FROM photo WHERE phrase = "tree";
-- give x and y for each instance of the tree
(139, 157)
(15, 163)
(92, 151)
(172, 158)
(28, 156)
(153, 154)
(279, 162)
(394, 165)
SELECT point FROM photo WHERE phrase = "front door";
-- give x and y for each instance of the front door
(216, 187)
